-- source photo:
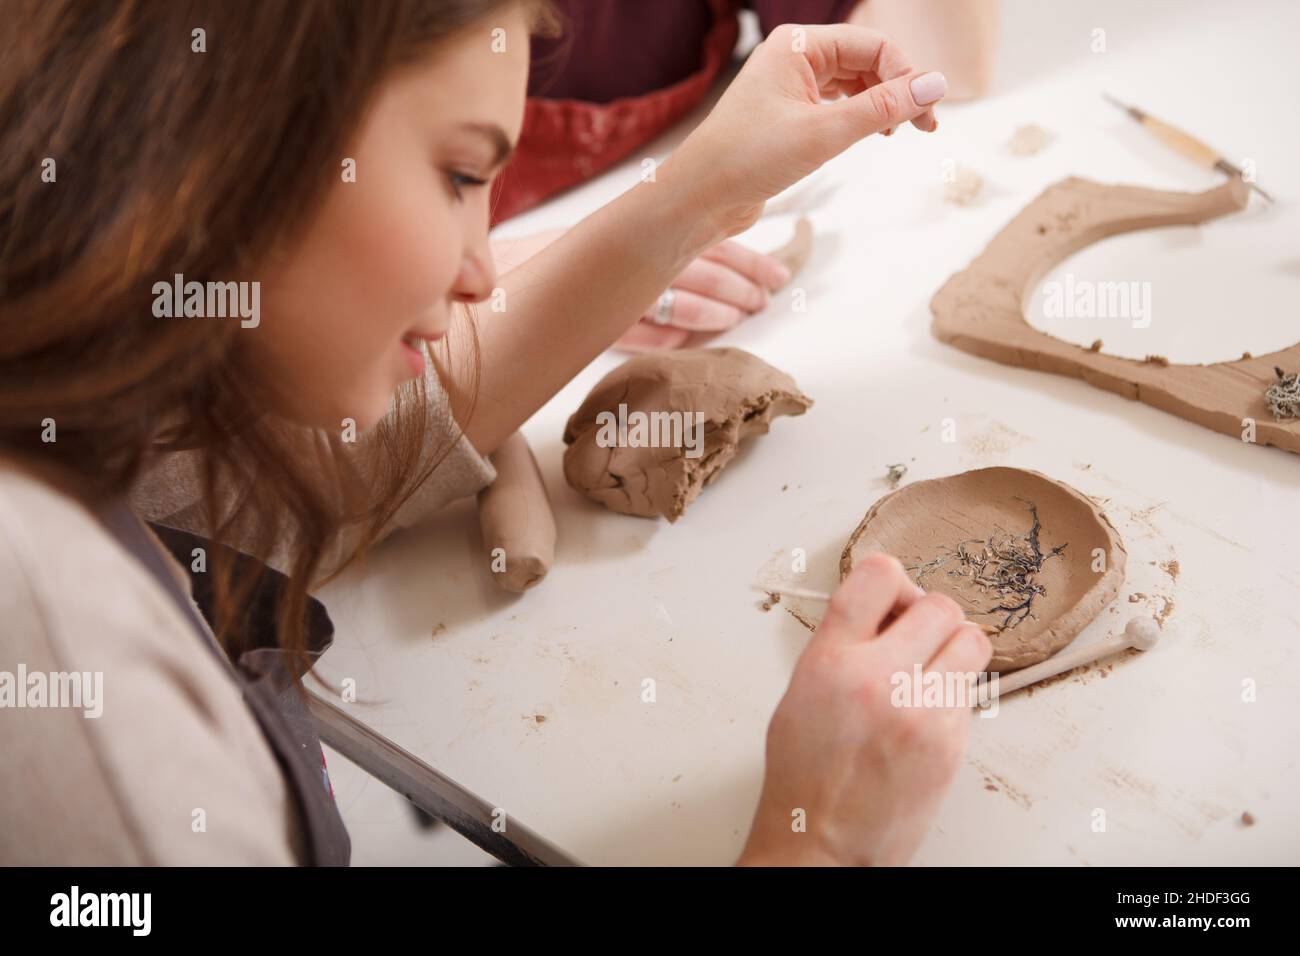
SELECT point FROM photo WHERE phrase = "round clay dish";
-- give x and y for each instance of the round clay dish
(922, 524)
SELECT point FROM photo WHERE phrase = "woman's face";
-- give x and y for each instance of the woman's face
(385, 257)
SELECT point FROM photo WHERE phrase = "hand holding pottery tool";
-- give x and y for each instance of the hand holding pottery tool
(1141, 633)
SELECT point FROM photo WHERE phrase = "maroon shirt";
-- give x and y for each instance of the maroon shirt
(624, 71)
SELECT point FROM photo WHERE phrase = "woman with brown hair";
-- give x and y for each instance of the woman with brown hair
(233, 239)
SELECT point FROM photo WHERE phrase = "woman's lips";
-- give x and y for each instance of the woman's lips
(413, 349)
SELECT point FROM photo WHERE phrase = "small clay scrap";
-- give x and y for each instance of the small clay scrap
(981, 309)
(661, 426)
(1029, 140)
(964, 187)
(1015, 549)
(794, 254)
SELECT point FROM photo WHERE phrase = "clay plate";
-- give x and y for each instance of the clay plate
(923, 520)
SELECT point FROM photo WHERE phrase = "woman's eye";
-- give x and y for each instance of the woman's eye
(462, 181)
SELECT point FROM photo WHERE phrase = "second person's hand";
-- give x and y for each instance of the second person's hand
(719, 290)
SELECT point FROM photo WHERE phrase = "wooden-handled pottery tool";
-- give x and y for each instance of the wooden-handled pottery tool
(1185, 143)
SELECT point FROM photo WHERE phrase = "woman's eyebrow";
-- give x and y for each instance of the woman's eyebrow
(495, 135)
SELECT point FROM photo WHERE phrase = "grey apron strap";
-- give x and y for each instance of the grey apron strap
(270, 693)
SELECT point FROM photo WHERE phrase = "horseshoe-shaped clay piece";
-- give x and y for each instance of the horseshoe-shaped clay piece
(981, 309)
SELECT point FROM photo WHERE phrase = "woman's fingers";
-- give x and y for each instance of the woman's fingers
(888, 104)
(967, 649)
(710, 278)
(892, 92)
(765, 271)
(697, 313)
(644, 336)
(920, 631)
(717, 291)
(892, 63)
(875, 590)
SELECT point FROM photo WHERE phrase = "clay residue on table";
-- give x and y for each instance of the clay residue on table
(1168, 608)
(990, 443)
(1029, 140)
(775, 573)
(894, 474)
(964, 187)
(802, 618)
(997, 783)
(1085, 673)
(794, 254)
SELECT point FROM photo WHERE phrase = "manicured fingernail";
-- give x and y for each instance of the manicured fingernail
(929, 87)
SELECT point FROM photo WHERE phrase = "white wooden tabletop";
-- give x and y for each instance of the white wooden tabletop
(535, 703)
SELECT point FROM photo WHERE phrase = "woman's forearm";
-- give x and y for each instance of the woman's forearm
(571, 301)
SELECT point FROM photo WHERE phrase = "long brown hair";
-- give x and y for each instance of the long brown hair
(170, 161)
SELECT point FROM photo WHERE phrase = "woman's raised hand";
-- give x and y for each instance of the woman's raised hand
(772, 127)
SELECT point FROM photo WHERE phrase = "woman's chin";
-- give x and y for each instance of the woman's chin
(347, 419)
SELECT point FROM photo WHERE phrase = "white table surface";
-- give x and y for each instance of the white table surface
(535, 702)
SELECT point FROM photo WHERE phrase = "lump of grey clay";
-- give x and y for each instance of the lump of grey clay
(682, 416)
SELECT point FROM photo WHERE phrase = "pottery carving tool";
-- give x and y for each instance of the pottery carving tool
(824, 596)
(1185, 143)
(1141, 633)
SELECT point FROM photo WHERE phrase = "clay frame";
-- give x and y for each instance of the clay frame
(980, 310)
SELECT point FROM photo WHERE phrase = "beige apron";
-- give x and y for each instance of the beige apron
(264, 675)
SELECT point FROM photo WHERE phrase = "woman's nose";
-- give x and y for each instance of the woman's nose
(477, 277)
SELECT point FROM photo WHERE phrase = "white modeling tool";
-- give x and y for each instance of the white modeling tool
(1141, 633)
(795, 592)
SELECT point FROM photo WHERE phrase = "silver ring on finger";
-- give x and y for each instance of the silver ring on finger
(664, 310)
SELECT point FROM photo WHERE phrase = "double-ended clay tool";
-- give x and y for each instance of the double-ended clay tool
(1185, 143)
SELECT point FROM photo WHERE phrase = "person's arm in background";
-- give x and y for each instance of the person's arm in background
(720, 289)
(728, 283)
(957, 37)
